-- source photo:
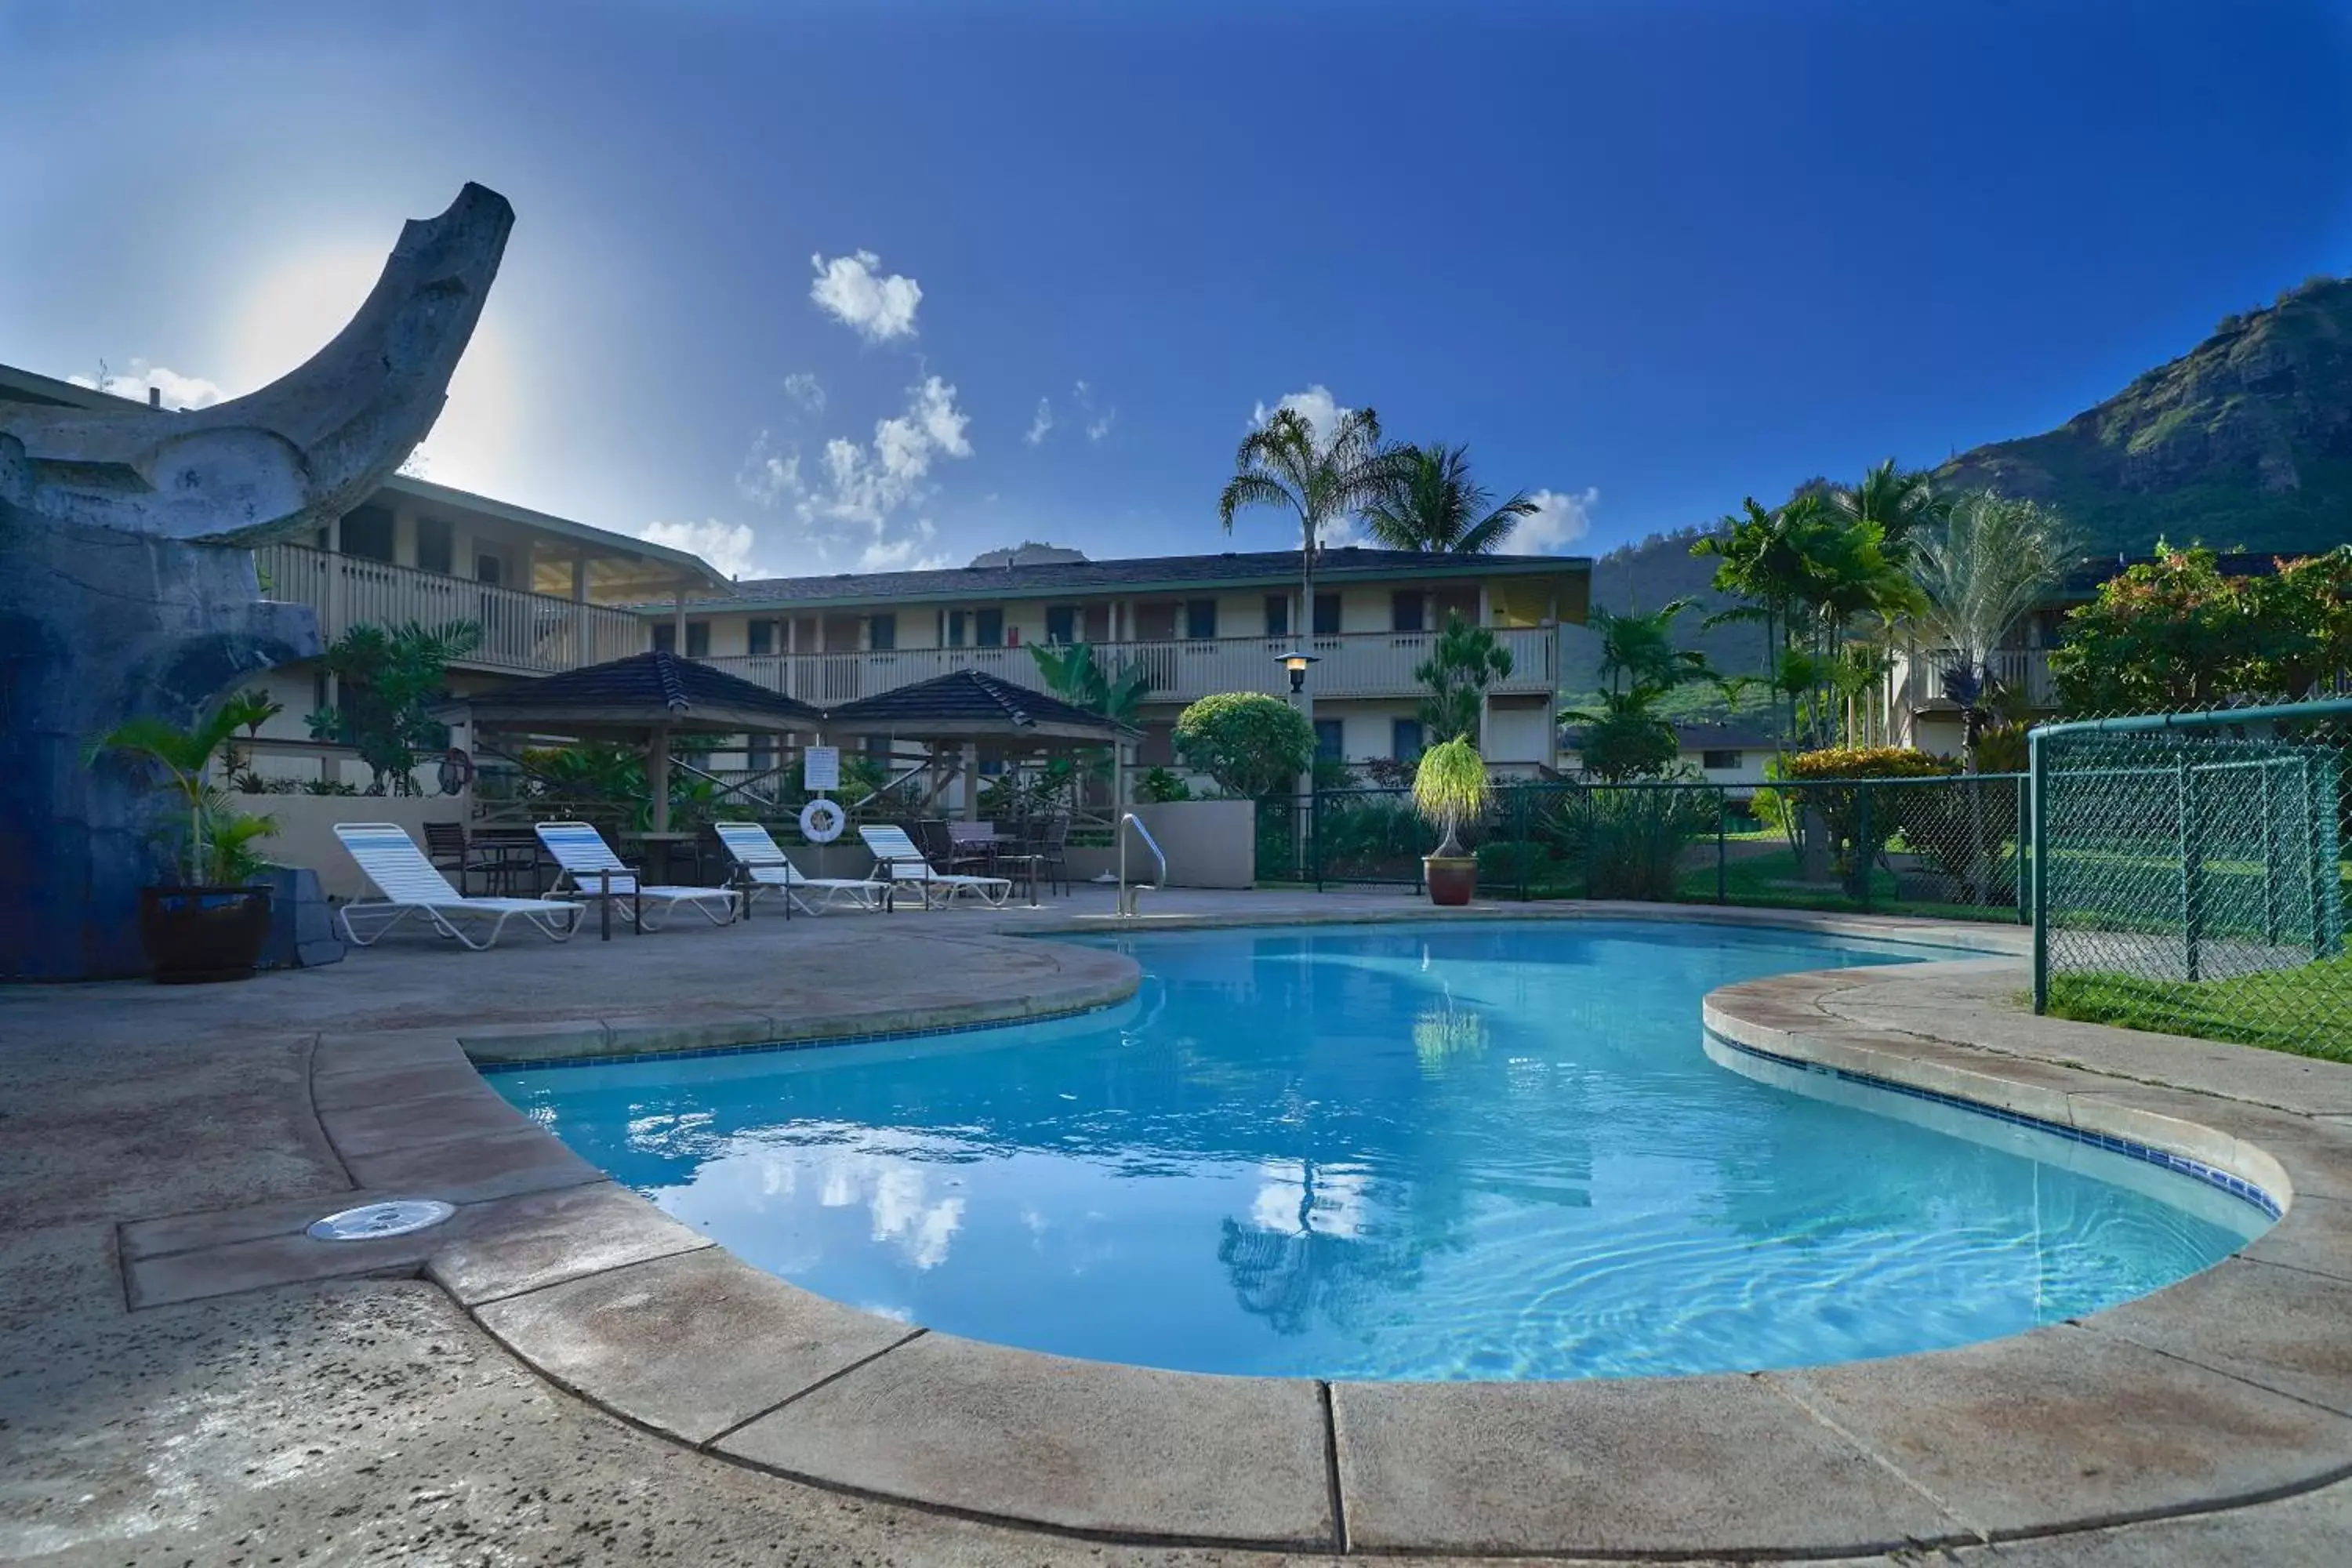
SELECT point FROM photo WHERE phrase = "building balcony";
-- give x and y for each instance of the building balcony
(2021, 671)
(1350, 665)
(522, 633)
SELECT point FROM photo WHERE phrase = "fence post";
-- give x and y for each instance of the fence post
(2037, 810)
(1722, 842)
(2192, 858)
(1314, 836)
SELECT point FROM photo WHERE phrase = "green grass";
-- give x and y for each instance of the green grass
(2306, 1010)
(1765, 880)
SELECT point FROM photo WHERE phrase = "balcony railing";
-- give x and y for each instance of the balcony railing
(1353, 664)
(525, 634)
(2021, 671)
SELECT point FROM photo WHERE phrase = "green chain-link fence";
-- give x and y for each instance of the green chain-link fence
(2196, 876)
(1947, 846)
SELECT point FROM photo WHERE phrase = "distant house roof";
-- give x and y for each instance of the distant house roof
(1043, 578)
(1725, 738)
(643, 692)
(971, 704)
(2083, 581)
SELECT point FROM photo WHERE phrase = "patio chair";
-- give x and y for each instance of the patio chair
(1047, 840)
(445, 846)
(587, 864)
(973, 846)
(760, 866)
(898, 861)
(410, 885)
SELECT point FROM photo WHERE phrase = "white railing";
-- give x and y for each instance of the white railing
(1352, 663)
(529, 633)
(2021, 671)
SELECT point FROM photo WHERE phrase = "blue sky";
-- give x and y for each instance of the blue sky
(1644, 257)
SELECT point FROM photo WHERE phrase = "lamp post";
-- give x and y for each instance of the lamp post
(1294, 663)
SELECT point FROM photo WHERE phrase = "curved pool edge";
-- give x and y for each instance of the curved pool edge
(2231, 1387)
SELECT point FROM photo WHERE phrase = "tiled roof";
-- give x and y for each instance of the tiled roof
(961, 696)
(1139, 572)
(647, 680)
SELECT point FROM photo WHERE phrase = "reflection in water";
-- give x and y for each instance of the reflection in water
(1456, 1151)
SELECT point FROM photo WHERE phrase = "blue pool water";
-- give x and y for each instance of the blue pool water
(1456, 1151)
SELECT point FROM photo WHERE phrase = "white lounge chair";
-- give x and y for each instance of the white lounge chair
(411, 884)
(899, 862)
(585, 866)
(764, 865)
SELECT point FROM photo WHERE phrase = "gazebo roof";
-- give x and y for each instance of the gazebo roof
(642, 692)
(970, 704)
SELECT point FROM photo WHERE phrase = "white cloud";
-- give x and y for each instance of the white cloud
(1099, 421)
(1316, 405)
(767, 475)
(803, 388)
(861, 492)
(849, 289)
(729, 547)
(1043, 422)
(898, 554)
(179, 390)
(1559, 519)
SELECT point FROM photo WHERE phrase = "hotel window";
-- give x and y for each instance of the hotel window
(1330, 740)
(1157, 747)
(759, 639)
(436, 546)
(763, 751)
(1278, 615)
(1719, 762)
(882, 632)
(1408, 611)
(489, 568)
(1327, 614)
(666, 636)
(1155, 622)
(988, 628)
(367, 534)
(1200, 619)
(953, 634)
(1062, 624)
(1096, 624)
(698, 639)
(1404, 740)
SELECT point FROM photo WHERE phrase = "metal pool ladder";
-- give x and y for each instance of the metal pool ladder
(1129, 892)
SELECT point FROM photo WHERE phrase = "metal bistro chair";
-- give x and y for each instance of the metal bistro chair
(1048, 839)
(445, 846)
(976, 846)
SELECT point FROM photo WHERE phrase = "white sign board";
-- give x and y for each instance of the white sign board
(820, 767)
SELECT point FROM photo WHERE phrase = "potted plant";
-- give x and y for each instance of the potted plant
(1450, 787)
(210, 924)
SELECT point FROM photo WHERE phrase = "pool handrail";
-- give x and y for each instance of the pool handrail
(1126, 895)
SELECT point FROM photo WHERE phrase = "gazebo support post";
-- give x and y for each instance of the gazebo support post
(657, 785)
(971, 781)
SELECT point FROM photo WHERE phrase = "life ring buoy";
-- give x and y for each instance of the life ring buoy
(456, 770)
(822, 821)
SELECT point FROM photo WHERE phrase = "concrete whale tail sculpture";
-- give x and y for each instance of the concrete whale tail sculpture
(305, 448)
(125, 589)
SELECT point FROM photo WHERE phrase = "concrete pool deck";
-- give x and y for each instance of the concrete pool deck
(163, 1150)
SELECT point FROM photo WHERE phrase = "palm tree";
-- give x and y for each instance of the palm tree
(1976, 577)
(1430, 504)
(1762, 558)
(1902, 501)
(1283, 463)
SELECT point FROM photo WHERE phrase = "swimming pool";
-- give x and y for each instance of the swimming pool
(1454, 1151)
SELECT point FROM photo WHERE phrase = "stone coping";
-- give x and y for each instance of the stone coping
(2231, 1387)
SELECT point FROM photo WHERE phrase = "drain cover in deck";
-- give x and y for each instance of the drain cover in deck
(370, 1221)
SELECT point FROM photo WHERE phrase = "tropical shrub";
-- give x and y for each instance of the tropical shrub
(1251, 743)
(1160, 786)
(388, 682)
(1633, 840)
(214, 845)
(1855, 844)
